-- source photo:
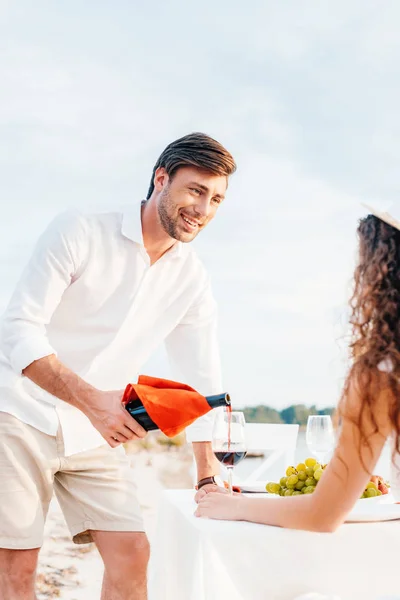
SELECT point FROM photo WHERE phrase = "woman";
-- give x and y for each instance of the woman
(369, 408)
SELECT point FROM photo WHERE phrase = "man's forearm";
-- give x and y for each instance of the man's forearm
(103, 408)
(51, 375)
(207, 464)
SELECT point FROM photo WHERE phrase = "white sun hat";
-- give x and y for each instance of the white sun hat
(389, 212)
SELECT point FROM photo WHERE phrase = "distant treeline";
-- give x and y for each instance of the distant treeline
(296, 413)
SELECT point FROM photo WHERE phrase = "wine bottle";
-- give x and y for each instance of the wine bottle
(140, 414)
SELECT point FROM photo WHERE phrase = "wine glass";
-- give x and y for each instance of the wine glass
(228, 440)
(320, 437)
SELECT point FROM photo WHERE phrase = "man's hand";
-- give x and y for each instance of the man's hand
(108, 415)
(104, 409)
(206, 489)
(207, 464)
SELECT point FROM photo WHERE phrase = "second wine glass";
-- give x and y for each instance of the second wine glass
(320, 436)
(229, 441)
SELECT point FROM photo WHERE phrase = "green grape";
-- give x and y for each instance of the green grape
(300, 484)
(310, 462)
(302, 475)
(310, 472)
(283, 481)
(296, 493)
(301, 467)
(379, 493)
(290, 471)
(371, 485)
(282, 491)
(371, 492)
(316, 467)
(273, 488)
(292, 480)
(289, 493)
(318, 474)
(311, 481)
(308, 490)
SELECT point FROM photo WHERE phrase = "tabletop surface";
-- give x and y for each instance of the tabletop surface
(261, 562)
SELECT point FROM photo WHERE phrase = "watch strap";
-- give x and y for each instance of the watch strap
(205, 481)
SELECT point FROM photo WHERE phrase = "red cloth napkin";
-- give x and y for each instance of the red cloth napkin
(171, 405)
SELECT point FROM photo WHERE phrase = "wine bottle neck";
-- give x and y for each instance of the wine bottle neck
(219, 400)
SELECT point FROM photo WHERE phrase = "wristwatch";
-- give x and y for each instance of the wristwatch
(214, 479)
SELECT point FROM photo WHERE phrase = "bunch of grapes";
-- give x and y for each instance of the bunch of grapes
(304, 478)
(376, 487)
(299, 480)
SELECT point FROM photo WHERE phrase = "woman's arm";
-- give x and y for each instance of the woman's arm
(342, 483)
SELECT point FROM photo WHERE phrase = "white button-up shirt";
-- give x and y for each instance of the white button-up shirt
(90, 296)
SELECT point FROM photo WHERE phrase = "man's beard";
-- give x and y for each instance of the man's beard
(170, 224)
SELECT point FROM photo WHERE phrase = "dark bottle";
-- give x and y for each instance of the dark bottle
(136, 409)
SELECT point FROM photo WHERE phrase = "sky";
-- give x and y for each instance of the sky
(304, 94)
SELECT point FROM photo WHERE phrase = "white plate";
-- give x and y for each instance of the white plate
(382, 508)
(376, 512)
(384, 499)
(257, 486)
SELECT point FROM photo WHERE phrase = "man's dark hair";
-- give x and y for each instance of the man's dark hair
(194, 150)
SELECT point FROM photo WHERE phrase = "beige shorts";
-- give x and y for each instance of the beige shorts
(95, 489)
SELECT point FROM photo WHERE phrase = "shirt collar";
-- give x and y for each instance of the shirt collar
(132, 228)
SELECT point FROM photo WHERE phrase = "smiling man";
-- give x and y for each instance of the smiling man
(101, 292)
(184, 206)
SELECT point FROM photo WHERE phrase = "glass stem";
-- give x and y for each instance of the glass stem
(230, 471)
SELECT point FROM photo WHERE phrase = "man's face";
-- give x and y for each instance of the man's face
(189, 201)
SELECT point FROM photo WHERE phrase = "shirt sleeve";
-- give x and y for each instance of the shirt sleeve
(193, 352)
(55, 263)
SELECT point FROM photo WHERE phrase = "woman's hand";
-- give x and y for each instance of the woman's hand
(221, 506)
(210, 488)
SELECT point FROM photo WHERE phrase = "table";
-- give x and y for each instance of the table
(204, 559)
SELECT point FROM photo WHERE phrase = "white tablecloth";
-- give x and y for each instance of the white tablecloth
(202, 559)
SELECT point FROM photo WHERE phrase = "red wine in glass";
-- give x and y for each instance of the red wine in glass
(228, 441)
(230, 458)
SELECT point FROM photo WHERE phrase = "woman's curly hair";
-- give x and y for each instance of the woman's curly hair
(375, 321)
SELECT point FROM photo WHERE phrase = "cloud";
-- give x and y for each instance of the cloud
(304, 95)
